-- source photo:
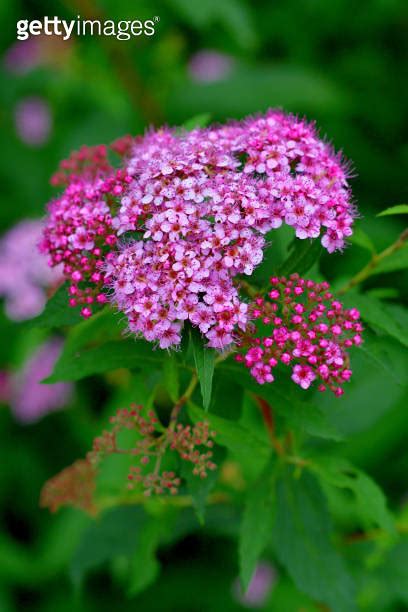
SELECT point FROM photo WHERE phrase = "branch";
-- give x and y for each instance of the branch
(370, 268)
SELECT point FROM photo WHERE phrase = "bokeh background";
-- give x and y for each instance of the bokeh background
(341, 63)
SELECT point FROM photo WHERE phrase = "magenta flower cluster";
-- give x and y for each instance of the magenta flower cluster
(78, 234)
(299, 324)
(192, 210)
(24, 274)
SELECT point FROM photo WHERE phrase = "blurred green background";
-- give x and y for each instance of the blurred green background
(341, 63)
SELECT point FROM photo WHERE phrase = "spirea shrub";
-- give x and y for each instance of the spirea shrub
(219, 342)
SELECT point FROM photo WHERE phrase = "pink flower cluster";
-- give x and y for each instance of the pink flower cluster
(193, 210)
(300, 325)
(78, 234)
(24, 274)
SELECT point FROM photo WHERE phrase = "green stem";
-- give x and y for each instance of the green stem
(179, 501)
(182, 400)
(376, 259)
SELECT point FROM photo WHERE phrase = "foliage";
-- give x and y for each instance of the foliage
(312, 485)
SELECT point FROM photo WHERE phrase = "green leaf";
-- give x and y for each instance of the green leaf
(114, 534)
(394, 572)
(300, 415)
(302, 541)
(384, 293)
(378, 350)
(200, 488)
(101, 327)
(396, 261)
(144, 566)
(256, 524)
(376, 314)
(57, 311)
(198, 121)
(370, 501)
(109, 356)
(361, 239)
(204, 359)
(233, 15)
(171, 376)
(254, 87)
(232, 435)
(302, 257)
(399, 209)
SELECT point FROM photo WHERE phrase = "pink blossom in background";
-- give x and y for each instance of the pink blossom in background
(207, 66)
(22, 56)
(33, 121)
(24, 272)
(30, 399)
(262, 583)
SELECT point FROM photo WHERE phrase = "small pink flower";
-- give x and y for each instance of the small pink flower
(303, 376)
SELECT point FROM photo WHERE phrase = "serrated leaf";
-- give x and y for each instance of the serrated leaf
(399, 209)
(204, 359)
(302, 257)
(300, 415)
(232, 435)
(114, 534)
(256, 524)
(370, 500)
(57, 311)
(302, 542)
(376, 313)
(376, 349)
(109, 356)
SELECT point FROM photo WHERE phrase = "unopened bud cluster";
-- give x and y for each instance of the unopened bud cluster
(191, 443)
(76, 484)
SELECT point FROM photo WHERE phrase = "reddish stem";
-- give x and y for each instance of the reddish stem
(267, 415)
